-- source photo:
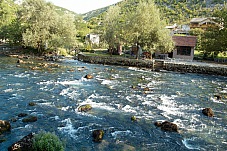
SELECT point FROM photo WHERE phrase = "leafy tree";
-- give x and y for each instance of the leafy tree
(147, 29)
(214, 40)
(7, 15)
(45, 28)
(111, 26)
(199, 34)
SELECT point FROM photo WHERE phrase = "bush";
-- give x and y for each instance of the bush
(47, 142)
(62, 51)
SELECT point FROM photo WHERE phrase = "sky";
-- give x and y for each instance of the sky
(83, 6)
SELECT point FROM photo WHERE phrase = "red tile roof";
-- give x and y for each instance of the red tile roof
(185, 41)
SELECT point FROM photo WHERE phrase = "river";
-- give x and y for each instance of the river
(115, 93)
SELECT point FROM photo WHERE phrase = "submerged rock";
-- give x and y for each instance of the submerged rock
(88, 76)
(84, 108)
(25, 144)
(22, 114)
(167, 126)
(97, 135)
(146, 89)
(4, 126)
(31, 104)
(2, 140)
(30, 119)
(208, 112)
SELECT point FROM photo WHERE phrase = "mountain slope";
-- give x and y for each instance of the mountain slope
(174, 11)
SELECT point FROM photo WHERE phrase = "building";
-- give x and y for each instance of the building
(202, 23)
(93, 38)
(184, 47)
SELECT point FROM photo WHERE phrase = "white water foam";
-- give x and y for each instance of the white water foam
(8, 90)
(100, 105)
(75, 82)
(187, 143)
(128, 108)
(75, 133)
(116, 134)
(22, 75)
(169, 106)
(69, 129)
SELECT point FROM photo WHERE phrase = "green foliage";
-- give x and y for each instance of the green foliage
(138, 24)
(111, 25)
(199, 34)
(47, 142)
(44, 27)
(7, 16)
(62, 51)
(214, 40)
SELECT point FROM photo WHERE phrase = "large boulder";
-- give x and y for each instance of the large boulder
(208, 112)
(25, 144)
(4, 126)
(167, 126)
(97, 135)
(84, 108)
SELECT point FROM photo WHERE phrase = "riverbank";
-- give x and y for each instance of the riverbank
(157, 65)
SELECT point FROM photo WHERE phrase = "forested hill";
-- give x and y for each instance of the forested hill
(62, 11)
(174, 11)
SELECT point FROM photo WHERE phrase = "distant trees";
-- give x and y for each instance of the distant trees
(214, 40)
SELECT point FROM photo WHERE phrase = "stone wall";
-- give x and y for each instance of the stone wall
(212, 70)
(157, 65)
(121, 61)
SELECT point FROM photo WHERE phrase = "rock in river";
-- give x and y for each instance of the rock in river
(25, 144)
(97, 135)
(84, 108)
(167, 126)
(4, 126)
(88, 76)
(208, 112)
(30, 119)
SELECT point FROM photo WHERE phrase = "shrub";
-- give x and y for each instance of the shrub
(47, 142)
(62, 51)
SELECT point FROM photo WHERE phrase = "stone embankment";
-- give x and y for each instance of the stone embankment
(156, 65)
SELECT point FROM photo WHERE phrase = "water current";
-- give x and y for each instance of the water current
(115, 93)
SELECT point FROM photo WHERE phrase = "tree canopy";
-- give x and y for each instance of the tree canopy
(44, 28)
(138, 25)
(214, 40)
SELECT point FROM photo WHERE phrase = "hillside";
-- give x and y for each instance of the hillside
(174, 11)
(62, 11)
(94, 13)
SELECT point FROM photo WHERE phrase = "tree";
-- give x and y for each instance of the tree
(147, 29)
(45, 28)
(138, 23)
(7, 15)
(214, 39)
(199, 34)
(111, 23)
